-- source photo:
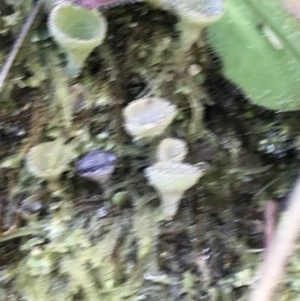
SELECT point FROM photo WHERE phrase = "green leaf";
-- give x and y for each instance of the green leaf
(259, 44)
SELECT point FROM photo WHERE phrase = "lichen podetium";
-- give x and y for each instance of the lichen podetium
(90, 4)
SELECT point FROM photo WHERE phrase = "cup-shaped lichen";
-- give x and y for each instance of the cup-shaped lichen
(171, 180)
(97, 166)
(78, 31)
(194, 16)
(148, 117)
(49, 160)
(172, 150)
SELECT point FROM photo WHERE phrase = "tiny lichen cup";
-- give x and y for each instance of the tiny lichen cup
(194, 16)
(171, 180)
(148, 117)
(78, 31)
(49, 160)
(172, 150)
(97, 166)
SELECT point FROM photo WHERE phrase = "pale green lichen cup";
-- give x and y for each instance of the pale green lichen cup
(78, 31)
(194, 16)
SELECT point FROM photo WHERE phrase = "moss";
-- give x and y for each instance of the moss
(127, 251)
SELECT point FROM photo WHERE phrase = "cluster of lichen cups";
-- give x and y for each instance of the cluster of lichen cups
(143, 118)
(49, 160)
(149, 118)
(170, 176)
(79, 31)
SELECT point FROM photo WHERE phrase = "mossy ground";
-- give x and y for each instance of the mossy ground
(82, 247)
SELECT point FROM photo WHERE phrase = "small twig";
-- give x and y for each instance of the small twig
(14, 226)
(18, 43)
(270, 221)
(282, 247)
